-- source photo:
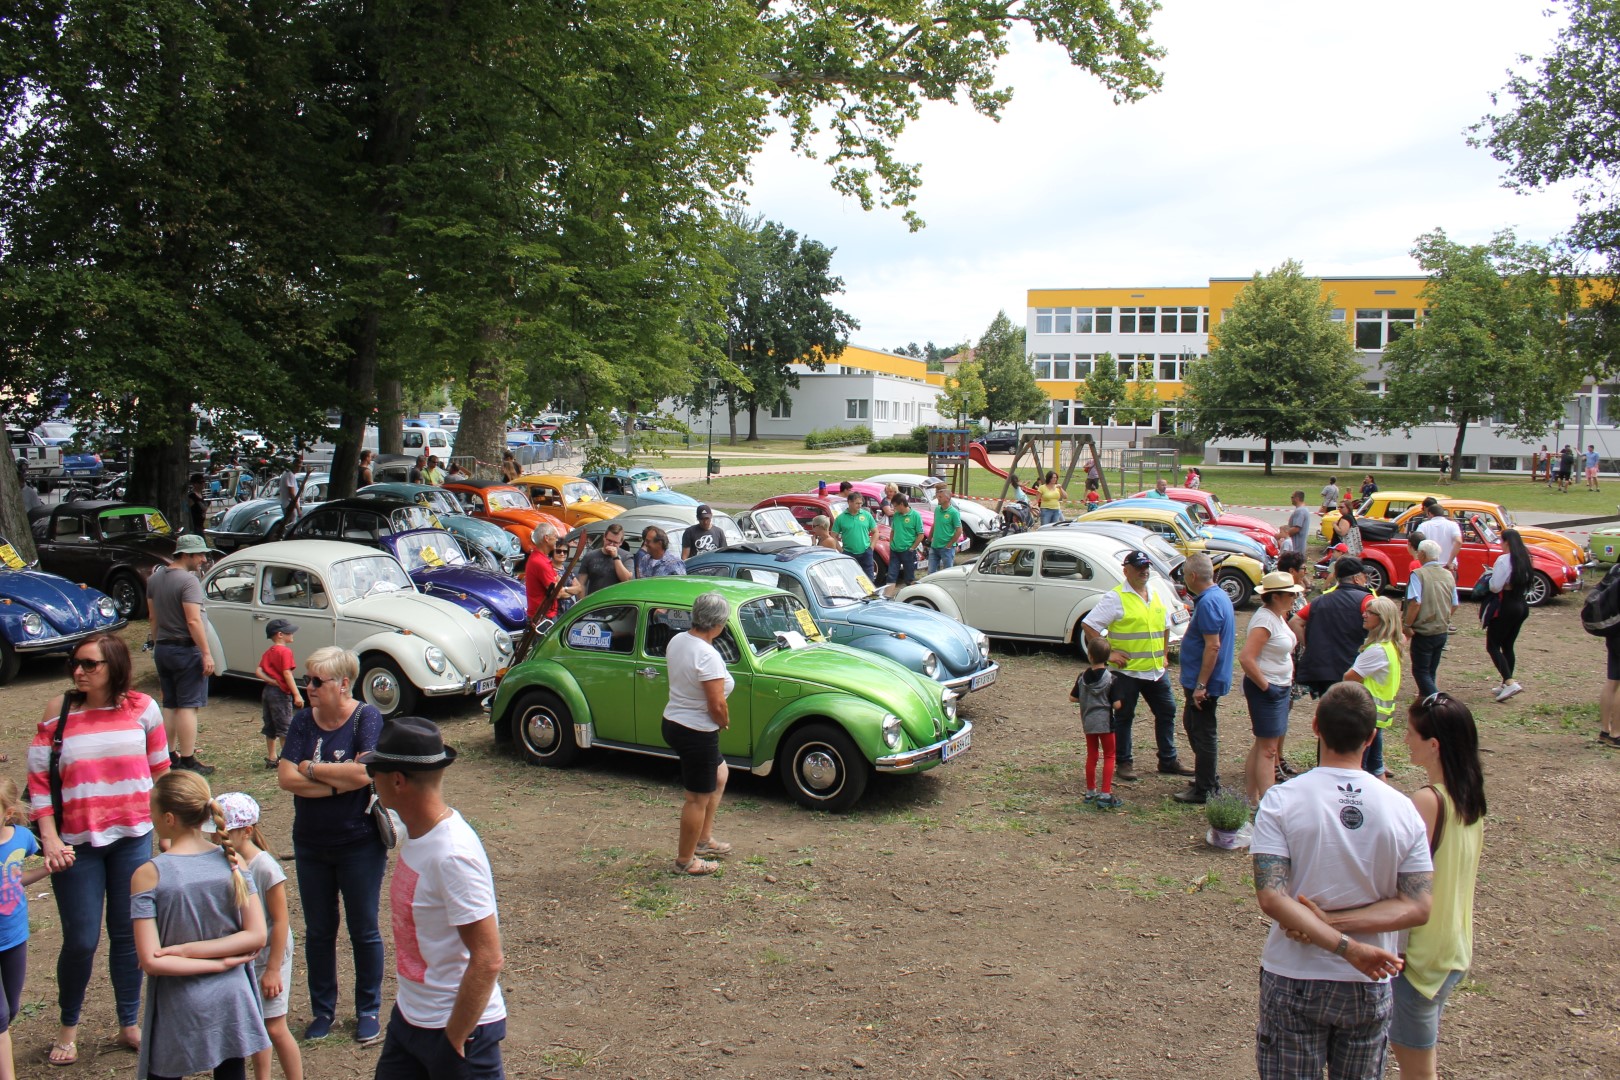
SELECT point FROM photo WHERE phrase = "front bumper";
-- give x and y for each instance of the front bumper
(484, 688)
(923, 756)
(963, 683)
(64, 642)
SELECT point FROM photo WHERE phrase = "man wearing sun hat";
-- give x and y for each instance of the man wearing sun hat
(449, 1016)
(1137, 626)
(179, 637)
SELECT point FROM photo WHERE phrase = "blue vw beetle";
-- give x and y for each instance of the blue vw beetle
(439, 568)
(42, 614)
(850, 611)
(636, 487)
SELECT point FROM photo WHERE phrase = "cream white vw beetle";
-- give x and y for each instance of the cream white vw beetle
(360, 599)
(1037, 586)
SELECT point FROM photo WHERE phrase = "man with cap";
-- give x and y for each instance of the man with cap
(178, 633)
(1137, 627)
(1330, 627)
(702, 537)
(449, 1016)
(1443, 529)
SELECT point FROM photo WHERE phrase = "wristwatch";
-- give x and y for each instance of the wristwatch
(1199, 687)
(1344, 944)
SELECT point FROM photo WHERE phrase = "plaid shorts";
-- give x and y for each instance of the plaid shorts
(1307, 1025)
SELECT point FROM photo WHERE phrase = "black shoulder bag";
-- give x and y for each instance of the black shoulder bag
(55, 772)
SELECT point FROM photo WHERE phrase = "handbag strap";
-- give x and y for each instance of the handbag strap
(1439, 818)
(56, 758)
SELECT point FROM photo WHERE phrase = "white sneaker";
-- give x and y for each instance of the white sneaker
(1508, 690)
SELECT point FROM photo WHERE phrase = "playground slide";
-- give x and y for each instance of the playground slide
(980, 456)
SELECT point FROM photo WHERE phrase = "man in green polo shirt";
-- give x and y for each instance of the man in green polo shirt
(857, 528)
(947, 532)
(905, 532)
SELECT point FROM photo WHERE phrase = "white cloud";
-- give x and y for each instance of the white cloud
(1285, 130)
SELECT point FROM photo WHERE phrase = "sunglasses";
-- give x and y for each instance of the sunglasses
(315, 682)
(85, 663)
(1434, 699)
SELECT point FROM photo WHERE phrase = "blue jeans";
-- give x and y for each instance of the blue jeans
(941, 557)
(355, 873)
(98, 883)
(1426, 652)
(1372, 759)
(1163, 703)
(1050, 517)
(867, 561)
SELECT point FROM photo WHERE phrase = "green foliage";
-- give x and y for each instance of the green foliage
(1491, 343)
(1011, 395)
(841, 436)
(1227, 811)
(963, 398)
(1279, 369)
(1103, 390)
(932, 355)
(1141, 400)
(914, 441)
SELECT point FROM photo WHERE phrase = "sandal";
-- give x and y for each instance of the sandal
(697, 867)
(270, 763)
(713, 847)
(71, 1049)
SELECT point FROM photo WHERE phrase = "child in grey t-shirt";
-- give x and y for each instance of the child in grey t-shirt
(1094, 693)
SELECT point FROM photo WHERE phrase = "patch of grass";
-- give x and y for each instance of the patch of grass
(754, 860)
(568, 1059)
(601, 856)
(31, 1009)
(772, 956)
(656, 899)
(913, 818)
(1473, 986)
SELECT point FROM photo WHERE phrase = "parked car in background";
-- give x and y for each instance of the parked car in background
(821, 717)
(1379, 506)
(410, 645)
(850, 611)
(873, 494)
(250, 522)
(981, 523)
(572, 498)
(504, 505)
(44, 614)
(999, 440)
(502, 547)
(530, 447)
(1207, 509)
(1235, 540)
(361, 520)
(1387, 556)
(772, 523)
(637, 487)
(438, 566)
(1238, 575)
(110, 546)
(1499, 518)
(44, 461)
(806, 507)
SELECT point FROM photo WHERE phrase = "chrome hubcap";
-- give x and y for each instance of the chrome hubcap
(383, 691)
(818, 769)
(540, 731)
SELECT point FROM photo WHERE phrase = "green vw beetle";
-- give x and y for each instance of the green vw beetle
(823, 717)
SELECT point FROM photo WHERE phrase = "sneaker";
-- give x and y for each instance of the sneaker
(319, 1028)
(191, 764)
(1508, 690)
(1109, 802)
(1091, 795)
(368, 1032)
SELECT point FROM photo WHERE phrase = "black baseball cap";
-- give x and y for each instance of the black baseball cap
(703, 511)
(1138, 559)
(1348, 567)
(279, 626)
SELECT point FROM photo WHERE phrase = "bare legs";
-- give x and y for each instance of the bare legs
(1260, 770)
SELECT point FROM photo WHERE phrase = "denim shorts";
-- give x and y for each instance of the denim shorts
(1268, 709)
(1416, 1021)
(181, 681)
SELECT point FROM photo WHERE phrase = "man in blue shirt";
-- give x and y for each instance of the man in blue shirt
(1206, 673)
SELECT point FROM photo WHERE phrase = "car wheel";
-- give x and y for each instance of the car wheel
(1236, 585)
(1541, 589)
(923, 602)
(822, 769)
(543, 729)
(127, 594)
(10, 662)
(383, 686)
(1376, 581)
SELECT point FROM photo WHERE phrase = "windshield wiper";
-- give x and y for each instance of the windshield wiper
(840, 596)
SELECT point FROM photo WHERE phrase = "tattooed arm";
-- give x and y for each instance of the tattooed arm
(1409, 907)
(1304, 922)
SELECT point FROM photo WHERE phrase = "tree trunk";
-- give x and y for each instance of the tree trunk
(753, 420)
(1456, 447)
(731, 418)
(390, 417)
(482, 434)
(1268, 457)
(159, 466)
(352, 430)
(13, 518)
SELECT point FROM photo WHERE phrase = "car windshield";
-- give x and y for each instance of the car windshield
(775, 522)
(355, 579)
(839, 582)
(55, 431)
(507, 500)
(437, 501)
(1199, 513)
(407, 518)
(1507, 519)
(1487, 528)
(580, 491)
(726, 525)
(1217, 507)
(645, 480)
(768, 616)
(134, 521)
(429, 550)
(1158, 546)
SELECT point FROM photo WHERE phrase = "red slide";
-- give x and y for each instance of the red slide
(981, 457)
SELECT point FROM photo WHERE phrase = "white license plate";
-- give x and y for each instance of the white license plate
(485, 685)
(956, 746)
(983, 678)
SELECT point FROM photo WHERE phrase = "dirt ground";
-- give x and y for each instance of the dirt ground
(978, 921)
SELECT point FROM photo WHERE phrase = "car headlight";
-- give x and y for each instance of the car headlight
(930, 665)
(983, 642)
(503, 643)
(891, 731)
(33, 625)
(433, 656)
(948, 702)
(105, 608)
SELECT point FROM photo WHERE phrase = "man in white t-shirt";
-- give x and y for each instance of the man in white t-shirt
(449, 1017)
(1443, 530)
(1341, 865)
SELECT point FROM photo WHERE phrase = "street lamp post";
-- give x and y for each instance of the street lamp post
(708, 458)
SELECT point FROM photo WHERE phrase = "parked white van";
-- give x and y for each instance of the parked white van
(418, 440)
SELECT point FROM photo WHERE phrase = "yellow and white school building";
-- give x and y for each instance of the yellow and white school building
(1169, 328)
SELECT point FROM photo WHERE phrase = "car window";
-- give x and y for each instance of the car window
(605, 630)
(712, 570)
(407, 518)
(291, 587)
(763, 619)
(508, 500)
(360, 527)
(838, 582)
(1065, 565)
(804, 514)
(355, 579)
(542, 495)
(1008, 562)
(785, 582)
(233, 584)
(610, 485)
(662, 626)
(419, 550)
(67, 528)
(321, 525)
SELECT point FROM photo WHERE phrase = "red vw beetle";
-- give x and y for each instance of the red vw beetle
(1207, 509)
(806, 506)
(1388, 559)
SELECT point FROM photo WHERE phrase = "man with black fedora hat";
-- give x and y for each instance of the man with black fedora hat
(449, 1016)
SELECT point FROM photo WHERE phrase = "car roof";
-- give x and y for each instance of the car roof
(480, 485)
(771, 551)
(385, 488)
(1088, 541)
(666, 512)
(1415, 496)
(308, 552)
(377, 504)
(1144, 506)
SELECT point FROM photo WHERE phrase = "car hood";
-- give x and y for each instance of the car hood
(956, 646)
(67, 607)
(1243, 521)
(972, 511)
(471, 588)
(1532, 535)
(594, 510)
(1233, 540)
(236, 519)
(485, 533)
(468, 641)
(863, 674)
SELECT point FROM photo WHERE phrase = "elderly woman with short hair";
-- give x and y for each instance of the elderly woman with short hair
(336, 848)
(696, 714)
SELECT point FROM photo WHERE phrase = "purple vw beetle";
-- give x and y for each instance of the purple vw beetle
(439, 568)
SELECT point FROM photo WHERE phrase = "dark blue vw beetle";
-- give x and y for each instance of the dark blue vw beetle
(439, 568)
(850, 611)
(42, 614)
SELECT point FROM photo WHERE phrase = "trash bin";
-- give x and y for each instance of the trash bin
(714, 466)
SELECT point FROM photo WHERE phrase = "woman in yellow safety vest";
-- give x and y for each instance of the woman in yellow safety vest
(1378, 667)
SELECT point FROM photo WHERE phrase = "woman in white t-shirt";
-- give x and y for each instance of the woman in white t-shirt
(696, 714)
(1267, 660)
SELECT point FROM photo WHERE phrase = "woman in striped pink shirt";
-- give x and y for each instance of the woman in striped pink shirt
(98, 832)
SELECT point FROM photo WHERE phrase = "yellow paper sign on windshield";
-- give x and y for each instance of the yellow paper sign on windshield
(808, 625)
(158, 524)
(9, 556)
(866, 584)
(431, 556)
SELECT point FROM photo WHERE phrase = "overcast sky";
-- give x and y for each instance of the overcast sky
(1328, 133)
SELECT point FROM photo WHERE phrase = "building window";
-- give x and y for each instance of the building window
(1325, 457)
(1168, 421)
(1082, 366)
(855, 408)
(909, 406)
(783, 409)
(1396, 461)
(1608, 406)
(1296, 457)
(1337, 314)
(1127, 320)
(1104, 320)
(1375, 387)
(1360, 460)
(1376, 328)
(1192, 318)
(1053, 320)
(1043, 365)
(1168, 371)
(1082, 320)
(1060, 366)
(1229, 457)
(1257, 457)
(1060, 412)
(882, 410)
(1505, 464)
(1469, 464)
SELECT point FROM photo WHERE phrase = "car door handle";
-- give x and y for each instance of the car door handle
(1026, 588)
(260, 618)
(647, 672)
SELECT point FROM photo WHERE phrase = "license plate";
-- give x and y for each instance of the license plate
(983, 678)
(956, 746)
(485, 686)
